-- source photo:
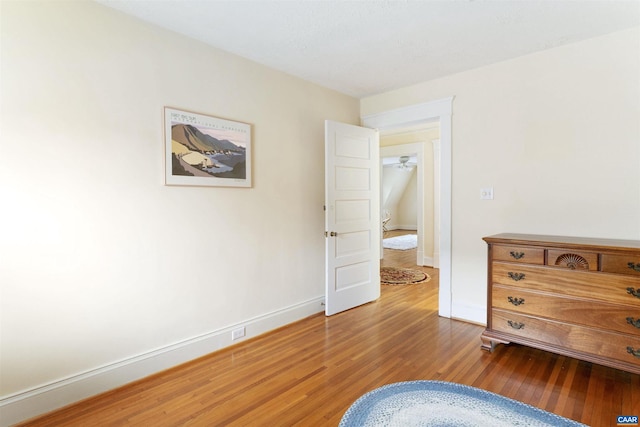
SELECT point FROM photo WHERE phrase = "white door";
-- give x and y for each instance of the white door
(352, 216)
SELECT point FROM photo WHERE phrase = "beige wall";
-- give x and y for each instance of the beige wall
(102, 263)
(407, 206)
(556, 133)
(399, 197)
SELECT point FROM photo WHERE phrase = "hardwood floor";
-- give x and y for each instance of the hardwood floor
(310, 372)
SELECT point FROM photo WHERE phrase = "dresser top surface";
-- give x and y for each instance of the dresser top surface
(565, 241)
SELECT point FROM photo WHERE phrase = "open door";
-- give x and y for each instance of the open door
(352, 216)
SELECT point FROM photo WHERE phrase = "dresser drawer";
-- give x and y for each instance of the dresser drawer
(600, 343)
(620, 318)
(613, 288)
(621, 264)
(523, 254)
(572, 259)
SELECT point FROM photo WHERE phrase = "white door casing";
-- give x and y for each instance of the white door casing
(412, 116)
(436, 203)
(352, 216)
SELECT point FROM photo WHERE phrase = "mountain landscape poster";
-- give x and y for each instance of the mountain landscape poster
(206, 151)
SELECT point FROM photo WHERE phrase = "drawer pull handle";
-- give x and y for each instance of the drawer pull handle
(633, 322)
(634, 266)
(631, 291)
(518, 301)
(518, 255)
(517, 276)
(515, 325)
(635, 353)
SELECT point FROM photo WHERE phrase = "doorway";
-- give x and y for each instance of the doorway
(401, 203)
(407, 189)
(417, 115)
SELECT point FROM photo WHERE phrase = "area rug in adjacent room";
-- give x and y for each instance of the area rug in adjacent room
(439, 403)
(402, 276)
(403, 243)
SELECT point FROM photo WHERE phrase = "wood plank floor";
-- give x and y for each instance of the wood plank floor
(309, 373)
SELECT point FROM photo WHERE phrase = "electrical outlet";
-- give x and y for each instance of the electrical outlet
(238, 333)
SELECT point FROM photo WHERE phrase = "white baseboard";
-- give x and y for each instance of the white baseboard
(402, 227)
(469, 313)
(436, 260)
(40, 400)
(427, 261)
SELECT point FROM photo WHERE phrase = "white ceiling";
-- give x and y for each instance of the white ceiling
(367, 47)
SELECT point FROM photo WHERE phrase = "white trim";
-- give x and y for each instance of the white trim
(436, 202)
(470, 313)
(411, 116)
(406, 227)
(48, 397)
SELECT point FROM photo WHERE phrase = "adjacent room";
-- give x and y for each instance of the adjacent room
(194, 210)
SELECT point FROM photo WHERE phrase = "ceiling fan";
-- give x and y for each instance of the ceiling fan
(400, 162)
(404, 163)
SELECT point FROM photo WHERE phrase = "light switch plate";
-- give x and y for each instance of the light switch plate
(486, 193)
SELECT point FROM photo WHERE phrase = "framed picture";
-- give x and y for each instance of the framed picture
(206, 151)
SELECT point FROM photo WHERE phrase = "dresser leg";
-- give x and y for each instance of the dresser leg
(489, 343)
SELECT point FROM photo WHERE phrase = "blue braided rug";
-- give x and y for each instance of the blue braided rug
(443, 404)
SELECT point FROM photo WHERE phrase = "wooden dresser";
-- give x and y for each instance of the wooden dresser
(578, 297)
